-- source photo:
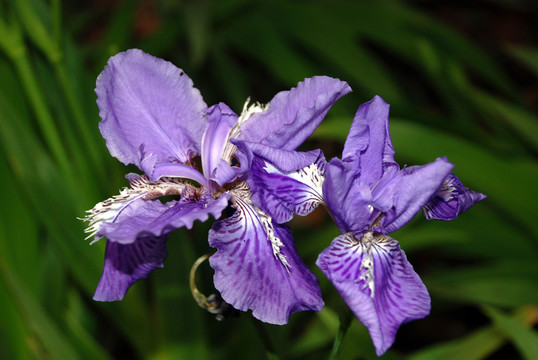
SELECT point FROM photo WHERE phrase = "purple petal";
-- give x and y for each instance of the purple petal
(127, 263)
(284, 160)
(292, 116)
(226, 173)
(177, 171)
(221, 119)
(377, 282)
(147, 102)
(348, 201)
(417, 185)
(281, 195)
(253, 271)
(452, 199)
(151, 217)
(369, 141)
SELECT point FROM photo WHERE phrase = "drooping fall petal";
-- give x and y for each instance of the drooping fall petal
(257, 267)
(127, 263)
(377, 282)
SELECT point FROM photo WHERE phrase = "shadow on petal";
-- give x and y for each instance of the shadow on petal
(127, 263)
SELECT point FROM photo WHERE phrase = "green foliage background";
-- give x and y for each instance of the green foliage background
(450, 93)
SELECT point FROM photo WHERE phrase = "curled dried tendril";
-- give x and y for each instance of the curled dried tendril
(213, 303)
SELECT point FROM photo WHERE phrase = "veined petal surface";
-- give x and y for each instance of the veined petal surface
(284, 160)
(283, 194)
(348, 201)
(151, 217)
(147, 102)
(377, 282)
(127, 263)
(416, 187)
(452, 199)
(292, 116)
(257, 267)
(369, 142)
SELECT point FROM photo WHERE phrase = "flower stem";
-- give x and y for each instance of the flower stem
(266, 341)
(345, 322)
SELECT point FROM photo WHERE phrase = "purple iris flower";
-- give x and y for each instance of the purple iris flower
(369, 197)
(452, 199)
(154, 118)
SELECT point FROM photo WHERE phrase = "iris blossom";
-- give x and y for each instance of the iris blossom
(452, 199)
(369, 197)
(154, 118)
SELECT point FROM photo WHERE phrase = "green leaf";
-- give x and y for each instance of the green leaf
(526, 55)
(522, 121)
(36, 20)
(504, 283)
(525, 339)
(475, 346)
(45, 329)
(502, 179)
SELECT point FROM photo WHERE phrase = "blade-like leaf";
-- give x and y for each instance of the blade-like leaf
(525, 339)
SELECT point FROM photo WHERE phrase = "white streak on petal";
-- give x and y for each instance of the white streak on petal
(248, 111)
(242, 195)
(108, 210)
(367, 264)
(311, 176)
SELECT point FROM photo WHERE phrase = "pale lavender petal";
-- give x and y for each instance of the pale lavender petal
(416, 187)
(281, 195)
(348, 201)
(292, 116)
(151, 217)
(178, 171)
(221, 119)
(146, 101)
(369, 141)
(226, 173)
(377, 282)
(452, 199)
(285, 160)
(253, 271)
(127, 263)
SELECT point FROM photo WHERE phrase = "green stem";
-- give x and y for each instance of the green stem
(345, 321)
(266, 341)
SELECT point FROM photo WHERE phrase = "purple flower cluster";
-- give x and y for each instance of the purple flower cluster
(154, 118)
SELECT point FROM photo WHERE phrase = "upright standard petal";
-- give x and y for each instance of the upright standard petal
(292, 116)
(147, 102)
(452, 199)
(348, 201)
(377, 282)
(369, 143)
(257, 267)
(127, 263)
(283, 194)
